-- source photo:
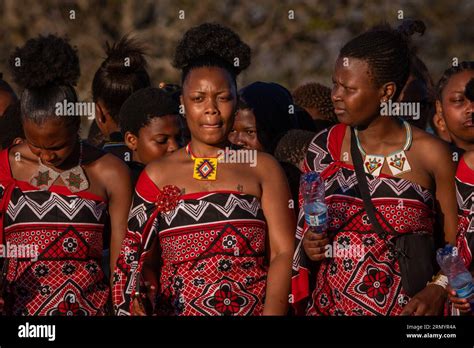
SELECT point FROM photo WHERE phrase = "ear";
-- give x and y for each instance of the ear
(99, 113)
(131, 141)
(438, 118)
(18, 140)
(387, 91)
(181, 105)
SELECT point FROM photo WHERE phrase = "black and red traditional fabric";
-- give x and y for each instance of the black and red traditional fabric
(362, 277)
(65, 277)
(212, 251)
(465, 197)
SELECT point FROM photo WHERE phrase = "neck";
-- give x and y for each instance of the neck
(200, 149)
(462, 144)
(380, 129)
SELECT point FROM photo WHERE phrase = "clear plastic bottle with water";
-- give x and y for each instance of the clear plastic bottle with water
(459, 278)
(314, 206)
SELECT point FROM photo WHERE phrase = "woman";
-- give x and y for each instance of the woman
(54, 193)
(410, 175)
(122, 73)
(217, 234)
(454, 112)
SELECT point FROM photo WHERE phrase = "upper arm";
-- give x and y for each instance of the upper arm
(443, 169)
(116, 178)
(276, 205)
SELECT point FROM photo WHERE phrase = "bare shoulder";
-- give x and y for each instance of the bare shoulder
(267, 164)
(164, 170)
(432, 151)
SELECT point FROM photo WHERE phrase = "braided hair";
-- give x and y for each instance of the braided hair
(448, 73)
(387, 52)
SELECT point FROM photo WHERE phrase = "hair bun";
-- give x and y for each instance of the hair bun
(411, 26)
(124, 57)
(43, 61)
(212, 39)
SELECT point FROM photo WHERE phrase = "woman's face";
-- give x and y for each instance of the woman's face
(160, 137)
(457, 109)
(244, 131)
(210, 99)
(355, 96)
(51, 141)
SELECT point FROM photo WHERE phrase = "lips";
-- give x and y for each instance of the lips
(468, 123)
(212, 126)
(339, 111)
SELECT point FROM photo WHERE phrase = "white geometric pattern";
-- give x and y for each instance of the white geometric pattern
(197, 210)
(70, 209)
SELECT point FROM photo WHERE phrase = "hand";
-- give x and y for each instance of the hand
(2, 305)
(314, 245)
(429, 301)
(144, 302)
(459, 303)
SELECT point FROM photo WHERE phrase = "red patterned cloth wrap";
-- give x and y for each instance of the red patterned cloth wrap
(464, 194)
(53, 239)
(359, 276)
(211, 250)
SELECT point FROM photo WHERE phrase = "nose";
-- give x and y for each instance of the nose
(335, 94)
(239, 139)
(47, 156)
(173, 145)
(211, 107)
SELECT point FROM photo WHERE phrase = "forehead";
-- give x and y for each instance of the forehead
(353, 69)
(208, 78)
(161, 125)
(457, 82)
(245, 118)
(53, 129)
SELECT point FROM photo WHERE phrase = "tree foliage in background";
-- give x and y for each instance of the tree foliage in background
(285, 50)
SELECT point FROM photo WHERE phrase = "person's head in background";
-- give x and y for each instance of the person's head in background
(120, 74)
(150, 123)
(12, 131)
(264, 114)
(49, 70)
(453, 119)
(315, 99)
(7, 95)
(292, 147)
(419, 87)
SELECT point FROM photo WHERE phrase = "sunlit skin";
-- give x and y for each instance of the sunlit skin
(58, 148)
(160, 137)
(209, 97)
(244, 131)
(454, 114)
(356, 99)
(454, 111)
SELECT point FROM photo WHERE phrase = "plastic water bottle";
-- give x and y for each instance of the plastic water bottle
(459, 278)
(315, 209)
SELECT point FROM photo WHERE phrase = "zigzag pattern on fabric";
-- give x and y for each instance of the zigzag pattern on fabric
(70, 207)
(196, 211)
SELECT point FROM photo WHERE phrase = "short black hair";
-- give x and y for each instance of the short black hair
(121, 73)
(47, 71)
(387, 52)
(318, 96)
(11, 126)
(144, 105)
(211, 45)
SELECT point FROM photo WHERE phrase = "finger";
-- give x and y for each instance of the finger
(421, 309)
(316, 236)
(317, 244)
(410, 308)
